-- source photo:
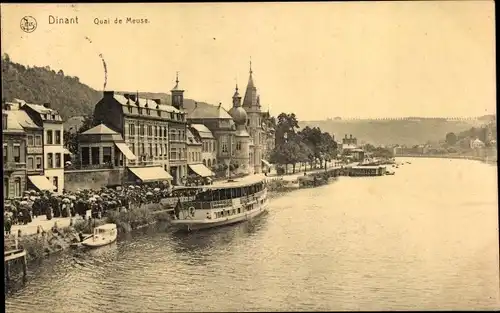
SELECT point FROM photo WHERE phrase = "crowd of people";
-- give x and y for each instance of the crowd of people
(21, 211)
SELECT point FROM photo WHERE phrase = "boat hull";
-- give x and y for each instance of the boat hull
(90, 243)
(187, 225)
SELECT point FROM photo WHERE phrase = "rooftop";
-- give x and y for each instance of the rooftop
(209, 112)
(203, 131)
(100, 130)
(144, 103)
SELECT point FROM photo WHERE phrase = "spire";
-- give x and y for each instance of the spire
(236, 97)
(176, 87)
(251, 92)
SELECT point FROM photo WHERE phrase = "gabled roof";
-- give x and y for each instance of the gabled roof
(100, 129)
(191, 139)
(12, 122)
(24, 119)
(209, 112)
(203, 131)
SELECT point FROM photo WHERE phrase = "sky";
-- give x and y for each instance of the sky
(317, 60)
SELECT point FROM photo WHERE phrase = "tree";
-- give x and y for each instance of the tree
(71, 138)
(451, 139)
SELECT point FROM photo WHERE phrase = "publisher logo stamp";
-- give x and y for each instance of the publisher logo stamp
(28, 24)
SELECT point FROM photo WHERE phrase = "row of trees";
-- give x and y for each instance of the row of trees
(309, 145)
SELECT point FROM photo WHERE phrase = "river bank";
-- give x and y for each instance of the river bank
(485, 159)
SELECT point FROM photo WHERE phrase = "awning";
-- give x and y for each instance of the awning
(66, 151)
(41, 183)
(150, 174)
(266, 163)
(125, 150)
(201, 170)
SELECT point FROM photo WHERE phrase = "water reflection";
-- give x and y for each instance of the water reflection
(218, 238)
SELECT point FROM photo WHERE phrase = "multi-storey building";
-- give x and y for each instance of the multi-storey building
(177, 137)
(14, 157)
(241, 149)
(255, 121)
(154, 133)
(52, 140)
(34, 148)
(194, 147)
(209, 145)
(194, 150)
(220, 124)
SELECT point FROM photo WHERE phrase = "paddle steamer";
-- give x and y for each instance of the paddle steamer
(219, 204)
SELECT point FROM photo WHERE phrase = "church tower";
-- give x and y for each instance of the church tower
(251, 104)
(177, 95)
(241, 136)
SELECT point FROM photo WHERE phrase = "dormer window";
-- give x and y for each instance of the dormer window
(53, 117)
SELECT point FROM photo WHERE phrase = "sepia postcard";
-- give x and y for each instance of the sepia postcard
(253, 156)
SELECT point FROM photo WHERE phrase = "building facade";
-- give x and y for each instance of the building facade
(52, 124)
(209, 145)
(241, 149)
(14, 157)
(153, 132)
(220, 124)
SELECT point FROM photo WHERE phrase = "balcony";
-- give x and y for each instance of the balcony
(14, 166)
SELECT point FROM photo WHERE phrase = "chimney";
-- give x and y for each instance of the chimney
(46, 105)
(158, 101)
(109, 93)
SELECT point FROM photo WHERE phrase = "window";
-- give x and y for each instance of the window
(132, 148)
(150, 149)
(30, 163)
(161, 150)
(38, 140)
(159, 112)
(50, 161)
(156, 131)
(148, 111)
(156, 150)
(129, 109)
(141, 130)
(131, 130)
(58, 137)
(106, 154)
(173, 154)
(238, 145)
(17, 154)
(85, 155)
(165, 132)
(5, 154)
(31, 140)
(38, 163)
(150, 131)
(58, 160)
(213, 146)
(142, 149)
(17, 187)
(140, 110)
(6, 187)
(224, 144)
(55, 183)
(165, 152)
(50, 139)
(192, 156)
(95, 155)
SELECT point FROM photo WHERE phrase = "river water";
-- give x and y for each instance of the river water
(425, 238)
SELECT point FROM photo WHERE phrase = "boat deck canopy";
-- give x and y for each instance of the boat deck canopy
(150, 174)
(125, 150)
(41, 183)
(201, 170)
